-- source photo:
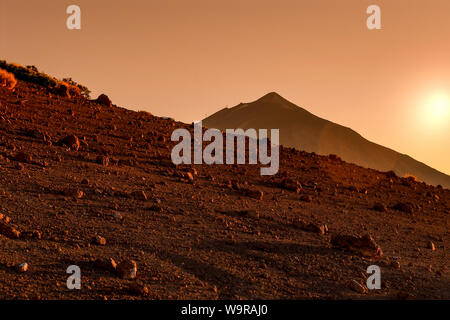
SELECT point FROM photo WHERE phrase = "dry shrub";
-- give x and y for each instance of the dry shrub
(33, 75)
(411, 177)
(73, 89)
(7, 79)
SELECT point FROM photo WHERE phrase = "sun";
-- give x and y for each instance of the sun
(436, 110)
(439, 105)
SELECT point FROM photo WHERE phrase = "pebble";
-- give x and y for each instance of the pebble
(127, 269)
(23, 267)
(101, 241)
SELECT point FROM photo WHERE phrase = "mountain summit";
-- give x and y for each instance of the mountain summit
(302, 130)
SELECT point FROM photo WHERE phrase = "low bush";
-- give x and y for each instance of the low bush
(33, 75)
(7, 79)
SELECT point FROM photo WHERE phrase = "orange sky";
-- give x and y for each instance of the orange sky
(187, 59)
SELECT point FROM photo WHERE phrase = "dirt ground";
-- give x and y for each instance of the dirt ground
(200, 231)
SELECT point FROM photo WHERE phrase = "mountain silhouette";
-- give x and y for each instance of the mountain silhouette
(305, 131)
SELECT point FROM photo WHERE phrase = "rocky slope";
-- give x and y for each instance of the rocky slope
(85, 183)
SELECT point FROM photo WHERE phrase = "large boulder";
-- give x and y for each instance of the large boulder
(70, 141)
(363, 245)
(104, 100)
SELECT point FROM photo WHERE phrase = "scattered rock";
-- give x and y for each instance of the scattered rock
(306, 198)
(139, 195)
(380, 207)
(395, 264)
(127, 269)
(70, 141)
(108, 264)
(104, 100)
(290, 185)
(310, 227)
(35, 234)
(190, 176)
(255, 194)
(156, 208)
(101, 241)
(75, 193)
(334, 157)
(138, 288)
(4, 218)
(9, 231)
(362, 245)
(404, 207)
(23, 267)
(103, 160)
(357, 287)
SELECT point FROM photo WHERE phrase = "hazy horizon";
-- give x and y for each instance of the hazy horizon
(189, 60)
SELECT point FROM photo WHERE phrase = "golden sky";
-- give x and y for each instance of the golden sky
(188, 59)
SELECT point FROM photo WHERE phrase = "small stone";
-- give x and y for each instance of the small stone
(139, 195)
(362, 245)
(76, 193)
(395, 264)
(320, 229)
(23, 267)
(127, 269)
(108, 264)
(9, 231)
(255, 194)
(357, 287)
(431, 246)
(306, 198)
(101, 241)
(70, 141)
(103, 160)
(104, 100)
(35, 234)
(404, 207)
(291, 185)
(139, 289)
(310, 227)
(190, 176)
(252, 214)
(380, 207)
(4, 218)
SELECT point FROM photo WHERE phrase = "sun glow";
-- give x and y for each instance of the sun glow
(436, 110)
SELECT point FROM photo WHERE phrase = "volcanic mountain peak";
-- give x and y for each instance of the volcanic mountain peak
(270, 107)
(274, 101)
(304, 131)
(271, 96)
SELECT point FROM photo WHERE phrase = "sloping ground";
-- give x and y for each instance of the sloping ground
(305, 131)
(227, 233)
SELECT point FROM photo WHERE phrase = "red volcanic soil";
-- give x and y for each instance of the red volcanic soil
(220, 232)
